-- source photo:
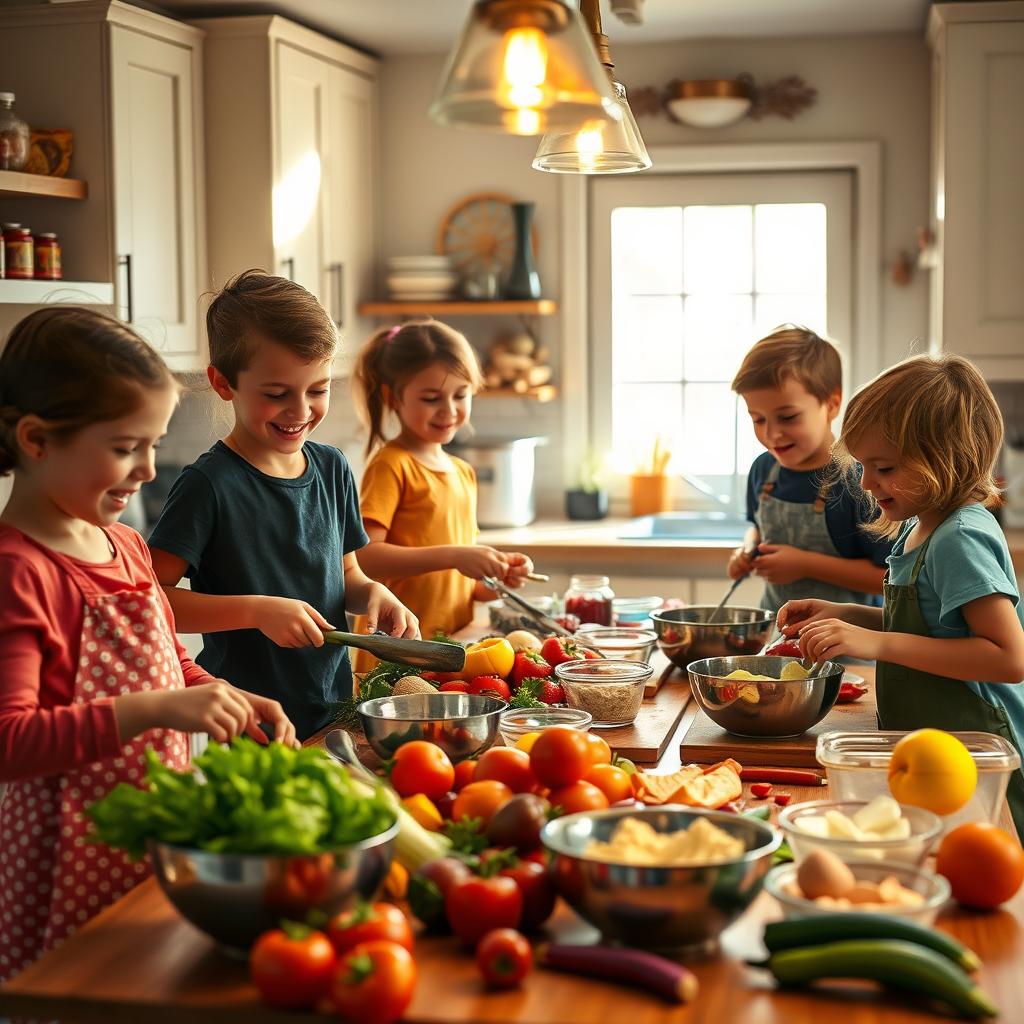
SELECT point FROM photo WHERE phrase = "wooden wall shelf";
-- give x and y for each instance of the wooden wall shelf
(511, 307)
(544, 393)
(74, 293)
(15, 183)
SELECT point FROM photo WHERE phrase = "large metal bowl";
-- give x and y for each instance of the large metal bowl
(684, 634)
(234, 898)
(779, 707)
(461, 724)
(671, 908)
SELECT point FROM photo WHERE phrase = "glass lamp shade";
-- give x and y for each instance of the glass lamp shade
(522, 67)
(598, 146)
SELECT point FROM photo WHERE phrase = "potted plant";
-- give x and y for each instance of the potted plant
(590, 499)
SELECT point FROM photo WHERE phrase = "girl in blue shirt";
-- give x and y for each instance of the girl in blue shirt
(949, 639)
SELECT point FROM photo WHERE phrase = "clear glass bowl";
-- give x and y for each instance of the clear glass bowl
(634, 611)
(934, 888)
(622, 643)
(518, 722)
(612, 690)
(924, 830)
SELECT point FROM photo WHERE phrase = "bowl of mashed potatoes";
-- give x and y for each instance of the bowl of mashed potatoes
(666, 878)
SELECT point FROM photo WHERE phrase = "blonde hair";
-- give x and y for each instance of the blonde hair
(942, 420)
(394, 355)
(791, 352)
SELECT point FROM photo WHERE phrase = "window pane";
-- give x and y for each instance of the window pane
(647, 256)
(717, 249)
(747, 446)
(648, 337)
(789, 243)
(803, 310)
(717, 330)
(709, 429)
(641, 412)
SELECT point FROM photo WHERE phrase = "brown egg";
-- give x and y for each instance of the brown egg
(822, 873)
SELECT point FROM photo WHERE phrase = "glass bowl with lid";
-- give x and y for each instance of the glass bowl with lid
(611, 689)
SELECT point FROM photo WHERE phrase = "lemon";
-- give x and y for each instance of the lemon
(527, 740)
(932, 769)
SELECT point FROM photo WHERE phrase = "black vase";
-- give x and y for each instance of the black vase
(524, 281)
(586, 504)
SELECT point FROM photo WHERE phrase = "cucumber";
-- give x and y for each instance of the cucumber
(810, 931)
(890, 961)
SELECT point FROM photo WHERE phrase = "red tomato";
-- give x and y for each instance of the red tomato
(490, 685)
(558, 649)
(481, 800)
(504, 958)
(578, 796)
(538, 856)
(508, 765)
(528, 665)
(366, 922)
(454, 686)
(561, 756)
(600, 752)
(478, 905)
(463, 775)
(612, 781)
(373, 982)
(538, 891)
(421, 767)
(428, 888)
(292, 968)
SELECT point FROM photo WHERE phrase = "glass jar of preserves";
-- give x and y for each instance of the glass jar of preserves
(18, 252)
(590, 598)
(14, 136)
(47, 256)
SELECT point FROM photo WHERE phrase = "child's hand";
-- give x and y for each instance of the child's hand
(270, 712)
(828, 639)
(216, 708)
(741, 561)
(385, 611)
(793, 615)
(290, 623)
(519, 567)
(779, 563)
(479, 560)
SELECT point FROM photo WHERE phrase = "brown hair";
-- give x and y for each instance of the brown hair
(791, 352)
(393, 355)
(942, 420)
(254, 305)
(72, 367)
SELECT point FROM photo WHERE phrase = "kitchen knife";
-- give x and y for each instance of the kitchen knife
(417, 653)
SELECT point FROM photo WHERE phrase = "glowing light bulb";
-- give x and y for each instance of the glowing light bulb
(590, 146)
(525, 67)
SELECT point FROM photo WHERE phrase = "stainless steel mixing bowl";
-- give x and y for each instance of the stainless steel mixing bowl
(234, 898)
(778, 707)
(672, 908)
(461, 724)
(684, 634)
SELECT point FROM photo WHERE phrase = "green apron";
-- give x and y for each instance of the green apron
(910, 699)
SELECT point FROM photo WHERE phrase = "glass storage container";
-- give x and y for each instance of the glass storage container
(590, 599)
(612, 691)
(14, 136)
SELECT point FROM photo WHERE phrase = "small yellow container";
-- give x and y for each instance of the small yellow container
(650, 494)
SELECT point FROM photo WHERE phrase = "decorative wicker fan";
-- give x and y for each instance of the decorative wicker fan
(479, 234)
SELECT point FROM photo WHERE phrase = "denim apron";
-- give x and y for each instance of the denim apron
(911, 699)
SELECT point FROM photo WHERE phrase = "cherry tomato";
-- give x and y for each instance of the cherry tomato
(578, 796)
(421, 767)
(478, 905)
(454, 686)
(463, 774)
(292, 968)
(538, 891)
(491, 686)
(508, 765)
(600, 752)
(561, 756)
(428, 888)
(612, 781)
(481, 800)
(504, 958)
(373, 982)
(366, 922)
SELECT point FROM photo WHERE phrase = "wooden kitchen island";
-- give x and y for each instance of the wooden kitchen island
(139, 961)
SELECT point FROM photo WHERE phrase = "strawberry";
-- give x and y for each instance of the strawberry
(558, 649)
(454, 686)
(490, 685)
(550, 692)
(528, 665)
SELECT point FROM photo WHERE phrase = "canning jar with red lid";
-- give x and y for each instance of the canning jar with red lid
(590, 598)
(19, 258)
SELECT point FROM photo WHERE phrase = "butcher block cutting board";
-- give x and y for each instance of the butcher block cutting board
(649, 735)
(707, 743)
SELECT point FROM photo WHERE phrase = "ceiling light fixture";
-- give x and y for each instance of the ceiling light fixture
(522, 67)
(708, 103)
(601, 145)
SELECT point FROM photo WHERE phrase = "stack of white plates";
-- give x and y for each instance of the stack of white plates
(421, 278)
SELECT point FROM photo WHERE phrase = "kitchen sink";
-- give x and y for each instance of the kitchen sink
(685, 526)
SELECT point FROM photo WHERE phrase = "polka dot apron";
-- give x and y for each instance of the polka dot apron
(52, 880)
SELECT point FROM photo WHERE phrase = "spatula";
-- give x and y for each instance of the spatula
(417, 653)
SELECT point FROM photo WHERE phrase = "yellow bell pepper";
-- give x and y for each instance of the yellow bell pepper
(396, 882)
(491, 657)
(422, 808)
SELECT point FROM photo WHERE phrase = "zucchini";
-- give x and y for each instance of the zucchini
(894, 962)
(810, 931)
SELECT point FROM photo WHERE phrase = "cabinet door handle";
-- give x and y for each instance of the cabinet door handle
(126, 262)
(289, 264)
(337, 271)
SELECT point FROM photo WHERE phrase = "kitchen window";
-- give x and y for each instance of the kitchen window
(688, 271)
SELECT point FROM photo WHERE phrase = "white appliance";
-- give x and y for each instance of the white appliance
(505, 478)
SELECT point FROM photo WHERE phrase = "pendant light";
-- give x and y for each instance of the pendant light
(602, 145)
(522, 67)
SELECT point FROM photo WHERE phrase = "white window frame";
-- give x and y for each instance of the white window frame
(863, 158)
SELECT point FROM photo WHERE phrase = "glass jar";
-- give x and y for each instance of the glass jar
(13, 136)
(590, 598)
(18, 252)
(611, 690)
(47, 256)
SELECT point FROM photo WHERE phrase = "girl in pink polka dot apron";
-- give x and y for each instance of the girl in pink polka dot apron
(52, 879)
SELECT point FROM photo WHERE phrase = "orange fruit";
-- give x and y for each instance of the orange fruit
(932, 769)
(984, 864)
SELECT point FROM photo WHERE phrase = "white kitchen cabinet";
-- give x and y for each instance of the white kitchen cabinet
(291, 155)
(977, 302)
